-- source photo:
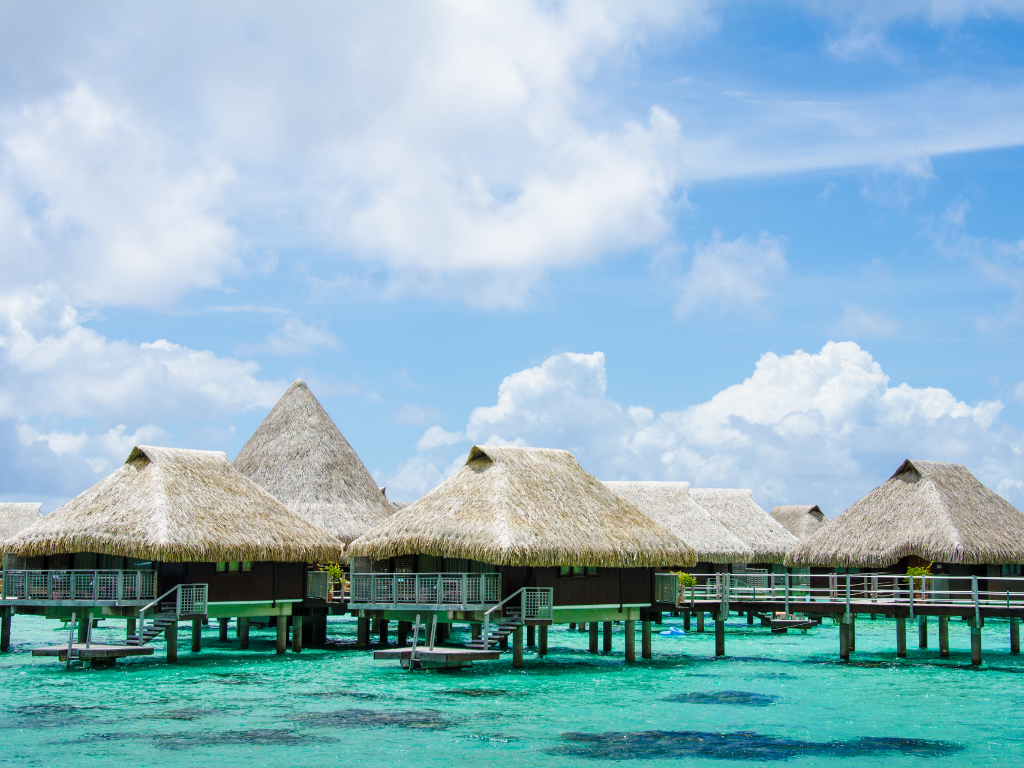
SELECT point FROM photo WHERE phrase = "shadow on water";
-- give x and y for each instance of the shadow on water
(361, 718)
(184, 713)
(739, 745)
(338, 695)
(183, 740)
(738, 698)
(482, 693)
(47, 715)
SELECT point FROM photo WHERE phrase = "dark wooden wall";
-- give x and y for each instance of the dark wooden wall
(611, 586)
(266, 581)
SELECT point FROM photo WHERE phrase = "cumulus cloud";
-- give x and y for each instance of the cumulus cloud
(728, 275)
(93, 200)
(820, 428)
(297, 337)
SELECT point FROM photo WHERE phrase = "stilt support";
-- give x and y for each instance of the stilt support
(282, 634)
(922, 632)
(944, 636)
(531, 635)
(83, 628)
(700, 621)
(5, 630)
(750, 618)
(171, 636)
(383, 630)
(1014, 635)
(593, 637)
(853, 633)
(517, 647)
(630, 627)
(297, 634)
(130, 629)
(901, 637)
(844, 639)
(542, 640)
(645, 639)
(976, 643)
(362, 632)
(403, 633)
(572, 626)
(243, 631)
(222, 630)
(197, 635)
(606, 637)
(686, 621)
(719, 634)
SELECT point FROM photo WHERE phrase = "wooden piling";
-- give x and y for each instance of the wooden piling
(362, 632)
(700, 621)
(171, 636)
(750, 618)
(851, 633)
(375, 627)
(645, 639)
(844, 640)
(630, 628)
(517, 647)
(943, 635)
(297, 634)
(83, 628)
(686, 621)
(582, 626)
(572, 626)
(975, 644)
(901, 637)
(130, 629)
(5, 630)
(282, 634)
(197, 635)
(531, 635)
(1014, 635)
(222, 630)
(719, 634)
(922, 632)
(542, 640)
(383, 629)
(606, 638)
(238, 627)
(593, 637)
(243, 631)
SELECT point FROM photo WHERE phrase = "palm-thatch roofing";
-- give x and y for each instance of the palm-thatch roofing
(299, 455)
(800, 519)
(525, 507)
(16, 516)
(175, 505)
(736, 509)
(938, 512)
(670, 505)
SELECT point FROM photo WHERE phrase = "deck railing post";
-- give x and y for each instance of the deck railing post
(977, 608)
(911, 598)
(465, 594)
(787, 595)
(847, 617)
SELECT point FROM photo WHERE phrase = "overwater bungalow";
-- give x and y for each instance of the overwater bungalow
(299, 455)
(736, 509)
(670, 505)
(799, 519)
(171, 535)
(517, 537)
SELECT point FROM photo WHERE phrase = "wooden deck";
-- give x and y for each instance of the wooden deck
(438, 658)
(94, 651)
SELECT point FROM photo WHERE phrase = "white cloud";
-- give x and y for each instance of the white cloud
(860, 322)
(58, 442)
(297, 337)
(803, 428)
(728, 275)
(93, 200)
(896, 183)
(410, 413)
(436, 436)
(52, 366)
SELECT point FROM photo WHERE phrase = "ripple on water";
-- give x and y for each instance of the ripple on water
(739, 745)
(259, 737)
(361, 718)
(737, 698)
(338, 695)
(483, 693)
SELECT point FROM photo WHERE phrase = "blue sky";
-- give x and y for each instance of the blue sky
(776, 246)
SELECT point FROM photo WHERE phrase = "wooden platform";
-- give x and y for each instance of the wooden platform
(438, 658)
(95, 651)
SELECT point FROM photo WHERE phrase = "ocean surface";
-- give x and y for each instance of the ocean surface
(782, 699)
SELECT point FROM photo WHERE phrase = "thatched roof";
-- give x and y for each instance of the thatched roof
(938, 512)
(525, 506)
(800, 519)
(736, 509)
(300, 456)
(16, 516)
(175, 505)
(670, 505)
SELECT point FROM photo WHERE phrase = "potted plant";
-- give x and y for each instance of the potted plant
(920, 588)
(336, 579)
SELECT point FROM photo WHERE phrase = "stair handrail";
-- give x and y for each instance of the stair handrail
(487, 616)
(142, 611)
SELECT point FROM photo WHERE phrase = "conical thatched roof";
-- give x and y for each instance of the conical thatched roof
(670, 505)
(800, 519)
(938, 512)
(525, 506)
(16, 516)
(736, 509)
(300, 456)
(175, 505)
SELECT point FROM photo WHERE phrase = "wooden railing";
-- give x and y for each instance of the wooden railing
(425, 589)
(80, 586)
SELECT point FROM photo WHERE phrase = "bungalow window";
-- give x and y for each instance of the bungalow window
(591, 570)
(234, 566)
(246, 566)
(577, 570)
(1011, 570)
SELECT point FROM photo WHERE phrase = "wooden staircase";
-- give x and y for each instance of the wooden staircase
(500, 629)
(161, 620)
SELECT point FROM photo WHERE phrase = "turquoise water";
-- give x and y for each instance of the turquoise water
(775, 699)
